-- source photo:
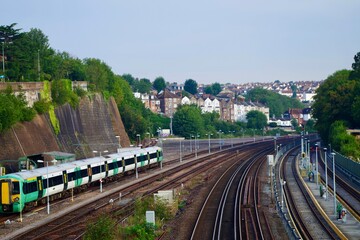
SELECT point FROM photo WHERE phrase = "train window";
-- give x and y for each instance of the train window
(129, 161)
(16, 188)
(54, 181)
(96, 170)
(153, 155)
(30, 187)
(71, 176)
(83, 173)
(111, 166)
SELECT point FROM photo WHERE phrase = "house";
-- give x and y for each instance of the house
(168, 102)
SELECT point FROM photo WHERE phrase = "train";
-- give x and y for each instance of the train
(26, 188)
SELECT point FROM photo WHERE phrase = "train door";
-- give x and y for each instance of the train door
(65, 179)
(41, 186)
(106, 169)
(5, 192)
(89, 172)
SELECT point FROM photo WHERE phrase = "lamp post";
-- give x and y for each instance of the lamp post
(209, 135)
(3, 57)
(231, 139)
(119, 145)
(316, 164)
(196, 146)
(275, 144)
(138, 139)
(220, 140)
(191, 143)
(180, 152)
(254, 134)
(101, 170)
(282, 193)
(333, 158)
(47, 184)
(326, 176)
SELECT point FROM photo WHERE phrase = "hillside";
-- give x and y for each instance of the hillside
(91, 127)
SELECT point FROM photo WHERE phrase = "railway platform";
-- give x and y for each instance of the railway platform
(347, 225)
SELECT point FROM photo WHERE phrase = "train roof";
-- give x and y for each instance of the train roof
(125, 152)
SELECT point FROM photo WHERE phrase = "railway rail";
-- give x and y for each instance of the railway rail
(71, 221)
(232, 200)
(315, 225)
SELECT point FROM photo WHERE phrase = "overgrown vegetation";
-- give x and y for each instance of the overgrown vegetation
(136, 226)
(13, 109)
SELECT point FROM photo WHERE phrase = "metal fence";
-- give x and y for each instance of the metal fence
(349, 166)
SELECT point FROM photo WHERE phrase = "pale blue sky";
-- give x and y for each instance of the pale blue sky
(209, 41)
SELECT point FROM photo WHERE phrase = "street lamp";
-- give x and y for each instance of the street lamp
(139, 141)
(282, 192)
(231, 139)
(180, 152)
(326, 175)
(119, 145)
(191, 136)
(196, 149)
(316, 164)
(209, 135)
(47, 183)
(220, 143)
(333, 158)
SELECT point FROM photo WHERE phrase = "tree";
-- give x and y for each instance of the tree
(294, 123)
(355, 74)
(208, 90)
(216, 88)
(256, 119)
(159, 84)
(143, 85)
(8, 34)
(335, 100)
(98, 73)
(190, 86)
(188, 120)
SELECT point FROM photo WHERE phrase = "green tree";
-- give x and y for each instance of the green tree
(216, 88)
(188, 120)
(143, 85)
(13, 109)
(355, 74)
(294, 123)
(98, 74)
(159, 84)
(335, 100)
(190, 86)
(256, 119)
(208, 90)
(8, 35)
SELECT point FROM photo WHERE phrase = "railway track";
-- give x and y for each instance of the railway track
(230, 201)
(315, 225)
(70, 224)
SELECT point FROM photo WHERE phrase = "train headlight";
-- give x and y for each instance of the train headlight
(16, 199)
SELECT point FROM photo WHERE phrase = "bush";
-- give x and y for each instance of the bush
(102, 229)
(41, 106)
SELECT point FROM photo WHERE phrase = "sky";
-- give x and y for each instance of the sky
(227, 41)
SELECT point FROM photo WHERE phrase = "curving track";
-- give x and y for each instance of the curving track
(231, 209)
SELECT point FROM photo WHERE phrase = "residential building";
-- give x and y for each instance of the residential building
(169, 102)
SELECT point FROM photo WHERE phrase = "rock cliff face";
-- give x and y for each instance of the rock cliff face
(93, 126)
